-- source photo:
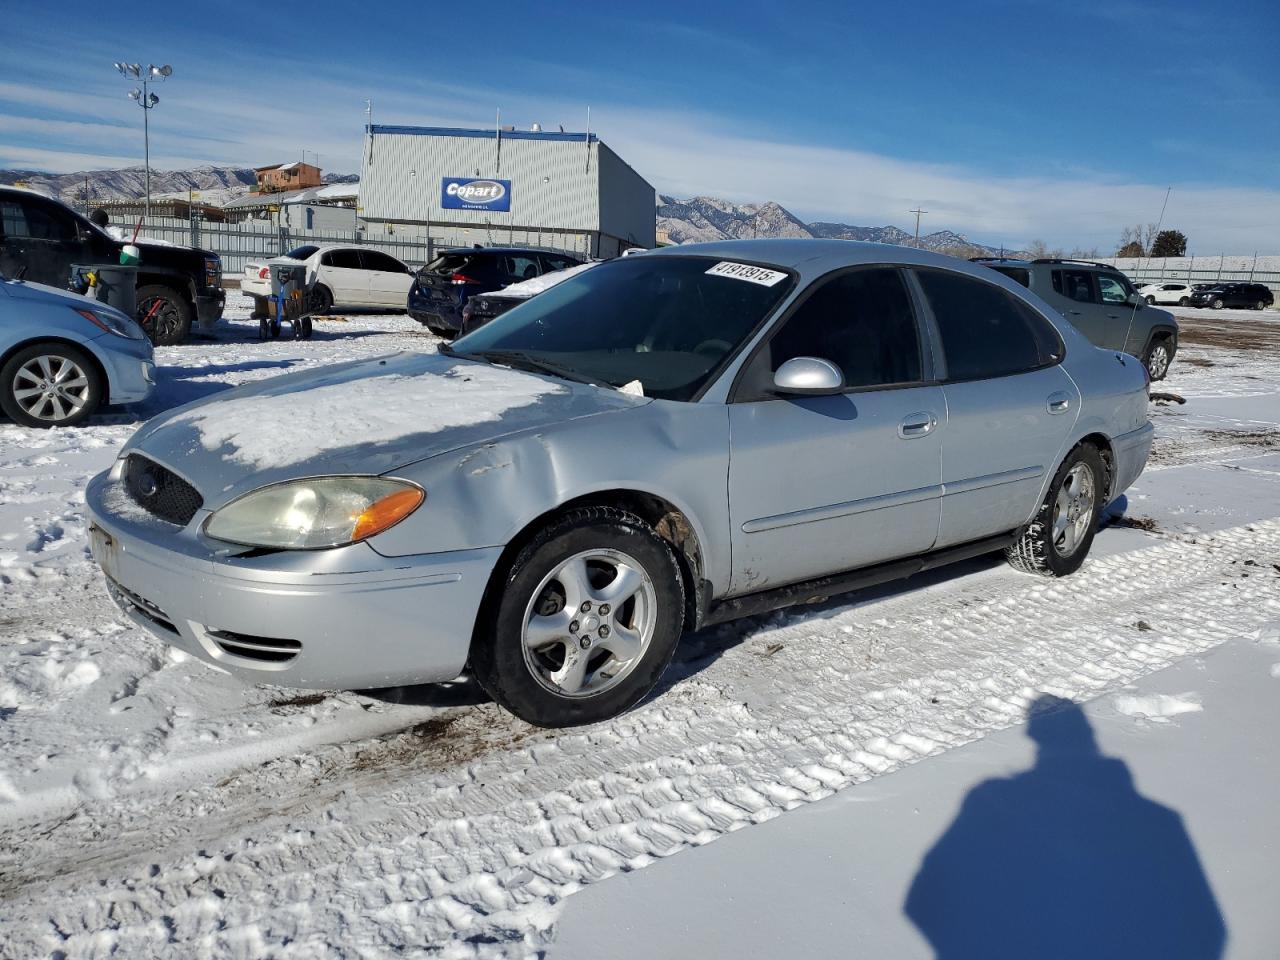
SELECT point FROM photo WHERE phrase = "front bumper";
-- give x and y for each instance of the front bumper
(343, 618)
(209, 307)
(129, 365)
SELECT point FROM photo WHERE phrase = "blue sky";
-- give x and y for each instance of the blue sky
(1008, 121)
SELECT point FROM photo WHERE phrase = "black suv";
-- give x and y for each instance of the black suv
(1252, 296)
(443, 286)
(41, 238)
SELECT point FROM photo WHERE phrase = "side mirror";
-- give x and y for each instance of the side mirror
(1137, 300)
(808, 376)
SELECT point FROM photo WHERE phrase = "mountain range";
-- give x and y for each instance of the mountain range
(710, 218)
(679, 221)
(219, 183)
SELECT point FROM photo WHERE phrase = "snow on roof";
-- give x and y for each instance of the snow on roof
(529, 288)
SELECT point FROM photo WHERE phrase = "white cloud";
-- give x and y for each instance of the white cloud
(681, 153)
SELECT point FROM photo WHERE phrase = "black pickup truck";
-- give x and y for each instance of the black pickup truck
(41, 238)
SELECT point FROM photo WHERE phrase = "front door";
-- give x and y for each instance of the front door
(1010, 405)
(823, 484)
(1117, 311)
(342, 272)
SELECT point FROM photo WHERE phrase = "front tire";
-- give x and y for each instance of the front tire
(164, 314)
(1151, 300)
(49, 385)
(1058, 539)
(1183, 302)
(1157, 359)
(586, 621)
(1217, 304)
(1260, 305)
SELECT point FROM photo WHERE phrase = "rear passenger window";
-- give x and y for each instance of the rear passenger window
(1017, 274)
(345, 259)
(1075, 285)
(986, 332)
(862, 322)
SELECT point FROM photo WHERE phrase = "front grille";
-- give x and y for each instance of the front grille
(133, 603)
(264, 649)
(160, 491)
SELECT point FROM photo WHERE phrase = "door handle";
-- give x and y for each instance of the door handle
(1059, 402)
(917, 425)
(1074, 313)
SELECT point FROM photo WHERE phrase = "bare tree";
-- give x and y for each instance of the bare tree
(1136, 241)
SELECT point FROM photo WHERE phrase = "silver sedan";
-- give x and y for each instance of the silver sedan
(666, 441)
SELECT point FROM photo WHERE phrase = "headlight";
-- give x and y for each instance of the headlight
(313, 514)
(113, 324)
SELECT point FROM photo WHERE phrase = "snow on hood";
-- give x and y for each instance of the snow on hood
(374, 410)
(529, 288)
(363, 417)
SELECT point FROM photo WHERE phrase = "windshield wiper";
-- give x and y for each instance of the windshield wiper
(520, 360)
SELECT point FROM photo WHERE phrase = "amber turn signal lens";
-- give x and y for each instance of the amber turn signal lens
(386, 512)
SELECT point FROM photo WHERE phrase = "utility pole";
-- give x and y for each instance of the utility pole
(919, 213)
(147, 101)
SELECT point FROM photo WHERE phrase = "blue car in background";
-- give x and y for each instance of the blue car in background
(62, 356)
(441, 288)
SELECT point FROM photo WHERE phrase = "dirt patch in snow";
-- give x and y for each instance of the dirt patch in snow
(1137, 523)
(1268, 439)
(1231, 334)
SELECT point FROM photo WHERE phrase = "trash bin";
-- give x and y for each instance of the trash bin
(109, 283)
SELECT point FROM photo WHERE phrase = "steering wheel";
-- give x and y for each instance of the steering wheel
(715, 347)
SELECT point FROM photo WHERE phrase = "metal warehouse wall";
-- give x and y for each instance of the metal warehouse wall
(401, 174)
(628, 204)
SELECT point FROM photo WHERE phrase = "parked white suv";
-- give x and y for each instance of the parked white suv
(1172, 292)
(338, 276)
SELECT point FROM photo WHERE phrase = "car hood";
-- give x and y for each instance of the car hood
(364, 417)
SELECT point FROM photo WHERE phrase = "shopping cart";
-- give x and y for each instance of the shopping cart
(290, 302)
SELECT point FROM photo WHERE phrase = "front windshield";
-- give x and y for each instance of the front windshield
(666, 321)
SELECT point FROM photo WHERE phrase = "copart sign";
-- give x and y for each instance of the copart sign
(459, 193)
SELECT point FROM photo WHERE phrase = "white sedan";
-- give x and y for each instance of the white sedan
(338, 276)
(1173, 292)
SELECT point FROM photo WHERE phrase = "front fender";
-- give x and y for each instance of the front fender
(485, 495)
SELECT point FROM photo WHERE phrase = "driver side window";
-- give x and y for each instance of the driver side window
(861, 321)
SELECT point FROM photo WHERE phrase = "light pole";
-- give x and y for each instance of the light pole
(147, 101)
(917, 211)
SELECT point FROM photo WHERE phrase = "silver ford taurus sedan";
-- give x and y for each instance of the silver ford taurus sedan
(666, 441)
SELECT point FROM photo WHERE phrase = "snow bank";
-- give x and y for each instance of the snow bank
(1158, 707)
(373, 410)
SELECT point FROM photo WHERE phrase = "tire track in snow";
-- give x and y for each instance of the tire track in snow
(360, 858)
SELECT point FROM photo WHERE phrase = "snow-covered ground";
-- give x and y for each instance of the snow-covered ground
(153, 806)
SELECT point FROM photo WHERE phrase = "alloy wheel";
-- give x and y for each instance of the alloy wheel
(589, 623)
(160, 318)
(1073, 510)
(1158, 362)
(51, 388)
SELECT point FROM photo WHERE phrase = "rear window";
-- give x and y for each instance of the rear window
(475, 266)
(302, 253)
(987, 332)
(1017, 274)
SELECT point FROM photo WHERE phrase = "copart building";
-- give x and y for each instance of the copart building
(567, 191)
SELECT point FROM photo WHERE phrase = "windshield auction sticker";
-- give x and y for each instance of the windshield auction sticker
(745, 271)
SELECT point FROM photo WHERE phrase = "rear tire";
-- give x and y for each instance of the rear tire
(1058, 539)
(321, 300)
(1260, 305)
(613, 586)
(164, 314)
(50, 385)
(1183, 302)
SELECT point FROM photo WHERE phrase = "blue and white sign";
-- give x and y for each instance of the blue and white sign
(464, 193)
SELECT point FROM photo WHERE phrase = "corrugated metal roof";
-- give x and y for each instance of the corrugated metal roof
(491, 133)
(329, 192)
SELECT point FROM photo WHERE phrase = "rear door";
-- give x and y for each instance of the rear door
(1077, 294)
(389, 279)
(1010, 405)
(343, 273)
(44, 237)
(822, 484)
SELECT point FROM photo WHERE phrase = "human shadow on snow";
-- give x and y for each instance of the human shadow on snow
(1065, 860)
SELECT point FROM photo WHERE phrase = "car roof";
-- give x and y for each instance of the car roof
(506, 250)
(813, 258)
